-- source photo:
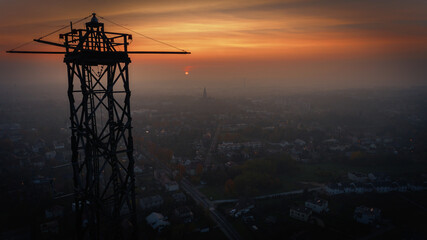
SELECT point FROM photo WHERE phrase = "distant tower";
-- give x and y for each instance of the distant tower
(205, 94)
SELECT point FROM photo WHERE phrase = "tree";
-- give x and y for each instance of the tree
(199, 169)
(181, 171)
(229, 186)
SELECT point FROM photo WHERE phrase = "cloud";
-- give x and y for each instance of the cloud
(236, 33)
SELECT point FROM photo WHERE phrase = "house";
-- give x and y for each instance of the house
(367, 215)
(184, 213)
(248, 218)
(51, 227)
(54, 212)
(58, 145)
(416, 186)
(157, 221)
(383, 187)
(191, 169)
(253, 145)
(161, 176)
(50, 154)
(43, 185)
(151, 202)
(237, 212)
(357, 177)
(300, 142)
(348, 188)
(334, 189)
(400, 186)
(271, 219)
(171, 186)
(302, 214)
(361, 187)
(242, 207)
(38, 146)
(338, 148)
(372, 177)
(38, 162)
(137, 170)
(317, 205)
(228, 146)
(179, 197)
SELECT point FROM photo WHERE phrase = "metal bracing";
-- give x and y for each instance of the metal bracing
(102, 144)
(101, 138)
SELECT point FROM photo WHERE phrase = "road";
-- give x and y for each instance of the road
(300, 191)
(201, 199)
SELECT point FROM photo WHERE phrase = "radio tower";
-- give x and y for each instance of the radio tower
(101, 130)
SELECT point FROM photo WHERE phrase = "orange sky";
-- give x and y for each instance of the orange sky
(272, 38)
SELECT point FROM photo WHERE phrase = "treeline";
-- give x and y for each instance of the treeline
(254, 177)
(259, 176)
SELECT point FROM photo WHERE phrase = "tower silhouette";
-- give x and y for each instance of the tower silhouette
(101, 129)
(205, 94)
(102, 146)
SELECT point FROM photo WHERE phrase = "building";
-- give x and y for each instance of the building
(157, 221)
(50, 155)
(361, 187)
(302, 214)
(38, 146)
(383, 187)
(372, 177)
(58, 145)
(230, 146)
(184, 214)
(205, 94)
(54, 212)
(179, 197)
(400, 186)
(367, 215)
(299, 142)
(416, 186)
(334, 189)
(357, 177)
(151, 202)
(51, 227)
(161, 176)
(171, 186)
(317, 205)
(348, 188)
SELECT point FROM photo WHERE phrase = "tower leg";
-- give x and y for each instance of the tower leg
(102, 150)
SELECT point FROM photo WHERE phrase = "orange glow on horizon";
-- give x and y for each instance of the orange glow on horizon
(236, 37)
(265, 29)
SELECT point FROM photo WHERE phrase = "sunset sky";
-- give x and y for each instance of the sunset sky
(337, 43)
